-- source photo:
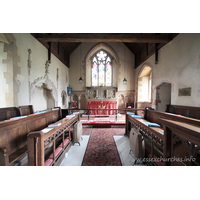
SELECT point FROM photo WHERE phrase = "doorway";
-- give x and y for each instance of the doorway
(163, 96)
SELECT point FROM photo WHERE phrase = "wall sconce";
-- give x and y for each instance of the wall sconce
(124, 81)
(80, 80)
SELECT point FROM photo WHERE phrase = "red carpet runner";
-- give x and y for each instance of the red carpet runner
(101, 149)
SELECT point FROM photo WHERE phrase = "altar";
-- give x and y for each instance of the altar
(101, 105)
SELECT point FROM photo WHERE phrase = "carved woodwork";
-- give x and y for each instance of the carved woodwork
(38, 142)
(185, 143)
(180, 141)
(13, 133)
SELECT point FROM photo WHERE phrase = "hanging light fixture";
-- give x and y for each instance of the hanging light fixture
(124, 81)
(80, 79)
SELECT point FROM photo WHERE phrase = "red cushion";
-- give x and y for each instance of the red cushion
(48, 162)
(56, 152)
(66, 141)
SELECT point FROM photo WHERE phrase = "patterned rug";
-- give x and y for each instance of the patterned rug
(87, 131)
(101, 149)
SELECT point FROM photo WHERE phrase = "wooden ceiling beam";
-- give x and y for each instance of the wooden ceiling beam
(104, 37)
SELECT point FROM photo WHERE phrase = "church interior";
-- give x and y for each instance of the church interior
(99, 99)
(59, 88)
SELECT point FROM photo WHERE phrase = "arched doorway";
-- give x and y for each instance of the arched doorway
(163, 96)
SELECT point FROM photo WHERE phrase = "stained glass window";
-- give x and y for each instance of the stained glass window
(101, 69)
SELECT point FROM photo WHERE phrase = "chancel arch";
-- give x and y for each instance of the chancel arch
(114, 60)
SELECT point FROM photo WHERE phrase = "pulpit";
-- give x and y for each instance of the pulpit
(101, 105)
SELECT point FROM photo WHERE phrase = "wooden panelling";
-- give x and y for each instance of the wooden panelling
(188, 111)
(8, 112)
(13, 133)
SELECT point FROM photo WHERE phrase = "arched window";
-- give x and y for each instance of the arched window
(101, 69)
(145, 84)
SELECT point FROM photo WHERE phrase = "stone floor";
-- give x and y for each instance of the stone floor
(76, 153)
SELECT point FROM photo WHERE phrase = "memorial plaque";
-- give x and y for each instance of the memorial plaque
(184, 92)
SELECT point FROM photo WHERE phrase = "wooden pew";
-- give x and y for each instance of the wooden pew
(188, 111)
(183, 143)
(153, 116)
(39, 141)
(26, 110)
(13, 134)
(157, 140)
(154, 141)
(10, 112)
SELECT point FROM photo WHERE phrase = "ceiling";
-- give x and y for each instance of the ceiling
(142, 45)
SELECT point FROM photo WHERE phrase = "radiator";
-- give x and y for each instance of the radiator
(77, 132)
(137, 144)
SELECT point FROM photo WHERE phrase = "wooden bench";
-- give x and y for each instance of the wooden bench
(188, 111)
(183, 143)
(154, 141)
(159, 142)
(26, 110)
(39, 153)
(13, 134)
(10, 112)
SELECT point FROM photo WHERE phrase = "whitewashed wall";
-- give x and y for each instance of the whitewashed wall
(124, 54)
(3, 85)
(39, 56)
(178, 64)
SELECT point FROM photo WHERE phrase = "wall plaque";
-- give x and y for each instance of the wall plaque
(184, 92)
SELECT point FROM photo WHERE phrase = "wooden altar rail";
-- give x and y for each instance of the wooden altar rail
(157, 139)
(66, 111)
(188, 111)
(13, 134)
(9, 112)
(38, 142)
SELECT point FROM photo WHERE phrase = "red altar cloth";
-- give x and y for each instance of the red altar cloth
(102, 105)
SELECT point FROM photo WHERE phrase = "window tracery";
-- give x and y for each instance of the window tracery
(101, 69)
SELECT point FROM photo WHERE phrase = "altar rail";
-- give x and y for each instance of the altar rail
(162, 142)
(39, 141)
(188, 111)
(104, 111)
(13, 133)
(9, 112)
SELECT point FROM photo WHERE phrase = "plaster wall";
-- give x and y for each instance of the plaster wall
(3, 84)
(126, 58)
(39, 56)
(178, 64)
